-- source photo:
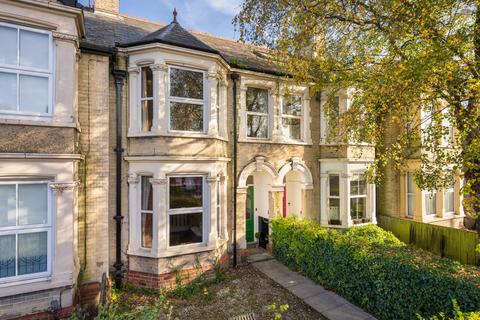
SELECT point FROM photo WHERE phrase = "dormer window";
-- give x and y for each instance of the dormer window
(186, 99)
(257, 113)
(146, 99)
(25, 71)
(292, 117)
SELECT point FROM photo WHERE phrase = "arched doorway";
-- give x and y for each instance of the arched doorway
(253, 210)
(296, 180)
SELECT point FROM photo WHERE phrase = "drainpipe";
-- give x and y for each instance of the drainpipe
(235, 77)
(119, 76)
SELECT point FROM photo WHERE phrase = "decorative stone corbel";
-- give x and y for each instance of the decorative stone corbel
(159, 67)
(60, 187)
(159, 181)
(133, 179)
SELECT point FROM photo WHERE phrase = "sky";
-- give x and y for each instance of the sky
(210, 16)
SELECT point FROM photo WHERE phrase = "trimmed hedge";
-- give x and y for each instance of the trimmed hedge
(373, 269)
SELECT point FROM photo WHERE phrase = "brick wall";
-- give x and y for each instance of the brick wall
(93, 96)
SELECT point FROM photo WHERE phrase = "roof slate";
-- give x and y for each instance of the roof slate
(110, 31)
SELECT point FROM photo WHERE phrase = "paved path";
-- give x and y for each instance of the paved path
(327, 303)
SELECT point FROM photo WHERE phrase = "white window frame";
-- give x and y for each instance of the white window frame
(409, 195)
(30, 71)
(142, 211)
(202, 102)
(339, 197)
(16, 230)
(288, 116)
(430, 193)
(253, 113)
(141, 99)
(179, 211)
(350, 196)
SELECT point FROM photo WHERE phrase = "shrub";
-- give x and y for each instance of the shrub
(373, 269)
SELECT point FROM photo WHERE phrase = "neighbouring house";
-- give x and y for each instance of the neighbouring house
(118, 151)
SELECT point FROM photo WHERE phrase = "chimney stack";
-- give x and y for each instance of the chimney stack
(107, 6)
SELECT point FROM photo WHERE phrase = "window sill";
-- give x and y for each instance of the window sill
(174, 135)
(180, 251)
(35, 121)
(269, 141)
(14, 282)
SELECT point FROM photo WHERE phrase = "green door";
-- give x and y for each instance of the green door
(249, 234)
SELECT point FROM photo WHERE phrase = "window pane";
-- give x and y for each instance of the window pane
(291, 128)
(410, 183)
(147, 229)
(34, 49)
(334, 211)
(186, 83)
(358, 186)
(357, 208)
(411, 205)
(257, 126)
(147, 82)
(32, 204)
(257, 100)
(334, 185)
(7, 256)
(147, 194)
(185, 228)
(186, 192)
(8, 206)
(449, 197)
(8, 49)
(430, 203)
(32, 253)
(33, 94)
(186, 117)
(8, 93)
(292, 105)
(147, 115)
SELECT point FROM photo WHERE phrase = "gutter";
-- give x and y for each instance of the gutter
(119, 76)
(235, 77)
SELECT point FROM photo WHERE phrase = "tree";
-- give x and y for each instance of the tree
(401, 57)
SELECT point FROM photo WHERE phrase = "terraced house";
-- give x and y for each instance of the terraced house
(133, 148)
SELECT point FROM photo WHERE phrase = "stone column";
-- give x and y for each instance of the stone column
(275, 111)
(440, 210)
(371, 198)
(160, 116)
(134, 107)
(419, 205)
(307, 208)
(212, 101)
(133, 209)
(241, 236)
(345, 200)
(242, 113)
(275, 202)
(306, 135)
(212, 232)
(324, 199)
(159, 187)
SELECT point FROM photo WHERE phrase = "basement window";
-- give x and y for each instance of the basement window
(146, 212)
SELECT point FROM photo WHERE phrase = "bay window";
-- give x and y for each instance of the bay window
(358, 198)
(257, 113)
(146, 212)
(146, 99)
(186, 99)
(292, 117)
(334, 199)
(25, 71)
(410, 191)
(25, 230)
(186, 209)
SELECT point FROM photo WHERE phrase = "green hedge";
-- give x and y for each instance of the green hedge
(373, 269)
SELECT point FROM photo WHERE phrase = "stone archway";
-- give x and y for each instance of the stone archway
(258, 192)
(298, 185)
